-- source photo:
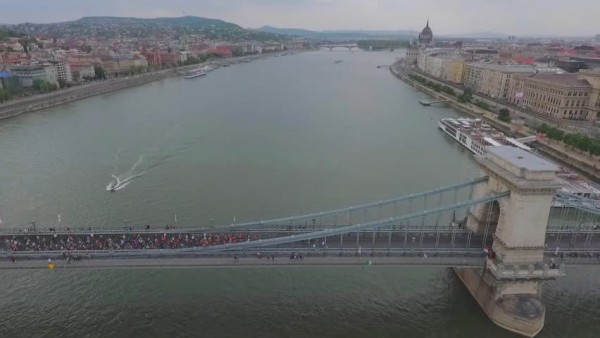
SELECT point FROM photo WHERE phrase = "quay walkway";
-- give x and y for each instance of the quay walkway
(429, 103)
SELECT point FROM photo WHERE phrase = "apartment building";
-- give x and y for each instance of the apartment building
(565, 96)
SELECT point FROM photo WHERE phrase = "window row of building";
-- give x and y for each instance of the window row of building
(567, 96)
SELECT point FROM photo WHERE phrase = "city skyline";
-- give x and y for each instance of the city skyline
(511, 17)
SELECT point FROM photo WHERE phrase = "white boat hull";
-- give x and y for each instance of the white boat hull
(462, 138)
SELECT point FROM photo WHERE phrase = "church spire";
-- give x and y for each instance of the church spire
(427, 23)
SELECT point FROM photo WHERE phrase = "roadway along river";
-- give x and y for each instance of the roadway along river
(270, 138)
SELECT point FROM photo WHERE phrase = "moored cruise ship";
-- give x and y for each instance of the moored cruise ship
(195, 73)
(476, 136)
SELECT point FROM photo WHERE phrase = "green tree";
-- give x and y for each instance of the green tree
(237, 52)
(504, 115)
(555, 134)
(543, 128)
(39, 84)
(100, 73)
(44, 86)
(594, 147)
(466, 96)
(482, 105)
(62, 83)
(4, 95)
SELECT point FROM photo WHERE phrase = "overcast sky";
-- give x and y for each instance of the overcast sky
(520, 17)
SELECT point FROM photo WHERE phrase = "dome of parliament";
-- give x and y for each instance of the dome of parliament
(426, 35)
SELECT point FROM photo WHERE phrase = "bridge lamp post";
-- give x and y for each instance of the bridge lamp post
(34, 229)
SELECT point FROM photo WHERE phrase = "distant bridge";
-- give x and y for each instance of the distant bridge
(331, 47)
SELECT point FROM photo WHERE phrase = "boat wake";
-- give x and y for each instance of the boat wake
(120, 181)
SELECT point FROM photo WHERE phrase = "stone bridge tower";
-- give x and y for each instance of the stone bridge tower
(508, 287)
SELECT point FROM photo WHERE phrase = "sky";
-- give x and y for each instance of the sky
(518, 17)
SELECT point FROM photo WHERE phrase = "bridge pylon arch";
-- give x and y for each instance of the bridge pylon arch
(518, 224)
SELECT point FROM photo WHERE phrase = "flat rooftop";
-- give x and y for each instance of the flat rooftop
(565, 80)
(522, 159)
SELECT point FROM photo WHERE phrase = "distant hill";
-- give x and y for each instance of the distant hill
(6, 33)
(290, 31)
(373, 34)
(340, 34)
(106, 26)
(184, 21)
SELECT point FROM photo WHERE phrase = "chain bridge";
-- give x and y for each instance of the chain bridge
(503, 232)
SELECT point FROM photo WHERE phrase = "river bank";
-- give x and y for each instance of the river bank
(584, 164)
(43, 101)
(466, 108)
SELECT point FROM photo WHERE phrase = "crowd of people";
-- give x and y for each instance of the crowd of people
(138, 241)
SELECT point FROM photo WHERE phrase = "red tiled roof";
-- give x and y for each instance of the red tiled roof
(524, 60)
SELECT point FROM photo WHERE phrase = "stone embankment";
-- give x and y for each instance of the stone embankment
(467, 108)
(585, 164)
(37, 102)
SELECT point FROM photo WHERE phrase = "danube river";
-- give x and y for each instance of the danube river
(275, 137)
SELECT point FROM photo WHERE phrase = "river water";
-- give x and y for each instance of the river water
(275, 137)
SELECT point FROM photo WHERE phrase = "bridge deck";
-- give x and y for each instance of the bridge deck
(229, 262)
(278, 262)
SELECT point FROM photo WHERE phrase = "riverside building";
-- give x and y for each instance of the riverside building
(564, 96)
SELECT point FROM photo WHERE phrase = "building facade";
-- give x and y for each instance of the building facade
(124, 64)
(87, 72)
(471, 76)
(63, 70)
(564, 96)
(431, 63)
(452, 69)
(28, 74)
(412, 54)
(51, 74)
(493, 80)
(415, 51)
(593, 78)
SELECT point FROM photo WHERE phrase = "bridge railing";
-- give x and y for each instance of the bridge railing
(588, 205)
(276, 228)
(241, 252)
(589, 227)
